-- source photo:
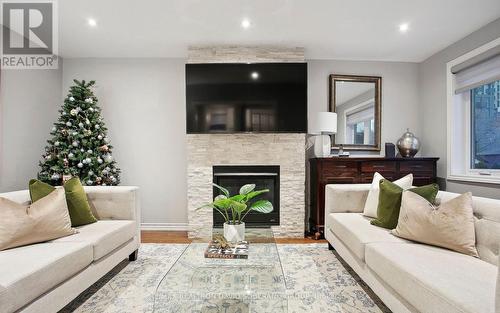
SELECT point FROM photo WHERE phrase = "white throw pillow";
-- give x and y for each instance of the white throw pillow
(371, 203)
(46, 219)
(449, 225)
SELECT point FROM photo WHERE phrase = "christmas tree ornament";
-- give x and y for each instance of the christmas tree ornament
(108, 158)
(103, 148)
(104, 172)
(70, 149)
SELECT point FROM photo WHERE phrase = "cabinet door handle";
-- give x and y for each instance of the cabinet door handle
(378, 166)
(417, 166)
(340, 166)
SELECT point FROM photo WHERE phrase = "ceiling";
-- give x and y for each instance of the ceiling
(328, 29)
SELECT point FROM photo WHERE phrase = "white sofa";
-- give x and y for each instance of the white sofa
(412, 277)
(45, 277)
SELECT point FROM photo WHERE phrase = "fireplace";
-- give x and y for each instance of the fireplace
(264, 177)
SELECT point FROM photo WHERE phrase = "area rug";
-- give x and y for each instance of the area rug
(316, 280)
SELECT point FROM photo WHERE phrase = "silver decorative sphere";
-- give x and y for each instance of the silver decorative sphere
(408, 145)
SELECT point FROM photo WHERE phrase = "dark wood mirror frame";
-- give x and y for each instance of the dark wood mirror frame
(377, 80)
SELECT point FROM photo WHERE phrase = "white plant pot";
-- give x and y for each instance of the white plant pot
(234, 233)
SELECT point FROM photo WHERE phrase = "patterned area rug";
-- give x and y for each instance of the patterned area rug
(316, 279)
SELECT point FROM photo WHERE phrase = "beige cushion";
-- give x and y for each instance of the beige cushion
(371, 203)
(104, 236)
(44, 220)
(434, 280)
(355, 231)
(29, 271)
(451, 225)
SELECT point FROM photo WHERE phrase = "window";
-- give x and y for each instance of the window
(485, 121)
(474, 115)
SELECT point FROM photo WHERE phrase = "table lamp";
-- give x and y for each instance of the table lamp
(324, 125)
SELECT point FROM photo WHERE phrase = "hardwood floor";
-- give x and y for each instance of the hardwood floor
(181, 237)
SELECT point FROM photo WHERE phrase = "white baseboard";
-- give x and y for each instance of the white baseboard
(165, 226)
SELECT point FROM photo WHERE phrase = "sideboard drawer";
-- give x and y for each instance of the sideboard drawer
(330, 168)
(367, 178)
(378, 166)
(416, 166)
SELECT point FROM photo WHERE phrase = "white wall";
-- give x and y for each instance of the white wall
(400, 104)
(432, 109)
(143, 103)
(29, 100)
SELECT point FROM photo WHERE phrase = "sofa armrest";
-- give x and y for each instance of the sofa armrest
(115, 202)
(344, 198)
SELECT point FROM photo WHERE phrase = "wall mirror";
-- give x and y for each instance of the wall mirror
(357, 101)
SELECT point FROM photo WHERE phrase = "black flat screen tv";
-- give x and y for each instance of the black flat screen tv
(233, 98)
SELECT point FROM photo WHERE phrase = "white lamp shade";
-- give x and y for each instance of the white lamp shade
(324, 123)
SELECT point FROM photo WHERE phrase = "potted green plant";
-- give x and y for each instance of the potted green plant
(235, 208)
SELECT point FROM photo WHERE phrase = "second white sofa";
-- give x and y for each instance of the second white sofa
(412, 277)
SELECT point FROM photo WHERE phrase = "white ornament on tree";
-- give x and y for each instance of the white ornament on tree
(89, 151)
(99, 137)
(73, 112)
(55, 176)
(99, 160)
(56, 143)
(75, 143)
(97, 126)
(108, 158)
(68, 124)
(54, 129)
(80, 165)
(88, 160)
(71, 99)
(70, 155)
(80, 125)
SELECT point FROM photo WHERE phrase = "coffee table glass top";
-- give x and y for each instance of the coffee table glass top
(197, 284)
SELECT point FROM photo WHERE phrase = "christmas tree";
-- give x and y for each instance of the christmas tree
(79, 145)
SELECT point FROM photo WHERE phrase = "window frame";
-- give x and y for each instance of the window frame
(459, 168)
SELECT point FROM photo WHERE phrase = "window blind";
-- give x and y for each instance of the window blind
(484, 72)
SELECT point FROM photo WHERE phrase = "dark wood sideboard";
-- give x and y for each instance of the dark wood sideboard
(359, 170)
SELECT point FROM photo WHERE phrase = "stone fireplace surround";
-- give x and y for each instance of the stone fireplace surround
(283, 149)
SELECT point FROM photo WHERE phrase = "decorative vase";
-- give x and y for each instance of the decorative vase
(234, 232)
(408, 145)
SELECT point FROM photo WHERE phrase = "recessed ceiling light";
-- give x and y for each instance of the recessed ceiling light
(92, 22)
(245, 23)
(255, 75)
(404, 27)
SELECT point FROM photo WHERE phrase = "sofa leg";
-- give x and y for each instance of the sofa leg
(133, 255)
(330, 247)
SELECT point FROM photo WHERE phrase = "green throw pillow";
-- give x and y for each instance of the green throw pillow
(389, 202)
(76, 199)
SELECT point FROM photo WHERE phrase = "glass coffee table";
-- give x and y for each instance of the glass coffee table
(196, 284)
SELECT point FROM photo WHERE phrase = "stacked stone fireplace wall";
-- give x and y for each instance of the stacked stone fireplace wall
(285, 150)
